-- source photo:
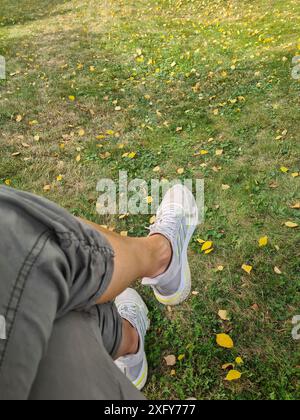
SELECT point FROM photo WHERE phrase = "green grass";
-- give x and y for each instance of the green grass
(231, 49)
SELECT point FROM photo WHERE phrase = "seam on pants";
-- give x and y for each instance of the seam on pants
(18, 289)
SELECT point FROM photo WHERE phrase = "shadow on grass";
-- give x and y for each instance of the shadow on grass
(27, 10)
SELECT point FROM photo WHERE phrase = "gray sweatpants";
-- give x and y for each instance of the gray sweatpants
(55, 342)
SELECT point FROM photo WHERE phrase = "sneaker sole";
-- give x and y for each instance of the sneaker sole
(141, 381)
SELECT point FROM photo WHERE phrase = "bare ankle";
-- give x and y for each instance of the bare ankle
(162, 254)
(130, 340)
(133, 338)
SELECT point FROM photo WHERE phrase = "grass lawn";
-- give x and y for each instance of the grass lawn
(90, 80)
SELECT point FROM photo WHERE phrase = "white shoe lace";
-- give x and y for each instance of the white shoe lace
(135, 315)
(168, 221)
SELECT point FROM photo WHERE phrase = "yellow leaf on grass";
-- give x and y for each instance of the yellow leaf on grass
(204, 152)
(81, 132)
(239, 361)
(295, 174)
(233, 375)
(78, 158)
(225, 341)
(247, 268)
(180, 171)
(296, 206)
(149, 200)
(284, 169)
(47, 188)
(152, 220)
(277, 270)
(219, 152)
(110, 132)
(181, 357)
(19, 118)
(59, 178)
(7, 182)
(201, 241)
(225, 187)
(72, 98)
(263, 241)
(208, 251)
(132, 155)
(291, 225)
(207, 245)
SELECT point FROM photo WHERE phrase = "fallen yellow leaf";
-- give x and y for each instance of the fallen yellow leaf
(225, 341)
(291, 225)
(149, 200)
(277, 270)
(207, 245)
(247, 268)
(239, 361)
(152, 220)
(233, 375)
(263, 241)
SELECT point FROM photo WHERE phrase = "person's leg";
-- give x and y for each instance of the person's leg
(134, 258)
(79, 363)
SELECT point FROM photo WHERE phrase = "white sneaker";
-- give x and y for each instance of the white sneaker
(177, 219)
(131, 307)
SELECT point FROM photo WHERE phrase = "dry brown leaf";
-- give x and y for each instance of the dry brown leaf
(170, 360)
(223, 315)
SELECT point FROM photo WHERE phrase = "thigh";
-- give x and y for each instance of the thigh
(50, 264)
(77, 365)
